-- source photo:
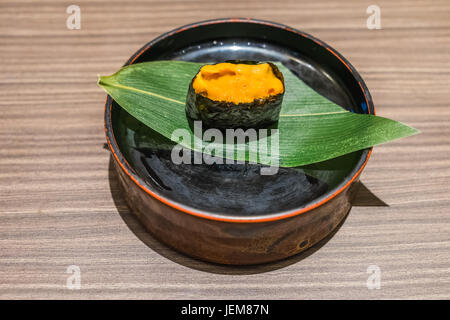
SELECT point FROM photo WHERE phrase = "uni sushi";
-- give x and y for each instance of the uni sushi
(236, 94)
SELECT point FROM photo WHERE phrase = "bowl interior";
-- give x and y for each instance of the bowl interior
(239, 189)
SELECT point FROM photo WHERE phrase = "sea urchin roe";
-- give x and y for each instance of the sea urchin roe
(237, 83)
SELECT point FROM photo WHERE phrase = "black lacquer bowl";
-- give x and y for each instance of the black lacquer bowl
(230, 213)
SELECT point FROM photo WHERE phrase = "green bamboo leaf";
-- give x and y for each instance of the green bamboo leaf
(311, 128)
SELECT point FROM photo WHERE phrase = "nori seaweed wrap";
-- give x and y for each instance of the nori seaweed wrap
(252, 102)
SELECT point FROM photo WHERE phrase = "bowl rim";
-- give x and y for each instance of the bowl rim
(329, 195)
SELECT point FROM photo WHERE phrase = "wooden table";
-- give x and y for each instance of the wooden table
(59, 198)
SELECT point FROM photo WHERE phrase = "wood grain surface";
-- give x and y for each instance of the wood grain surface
(59, 199)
